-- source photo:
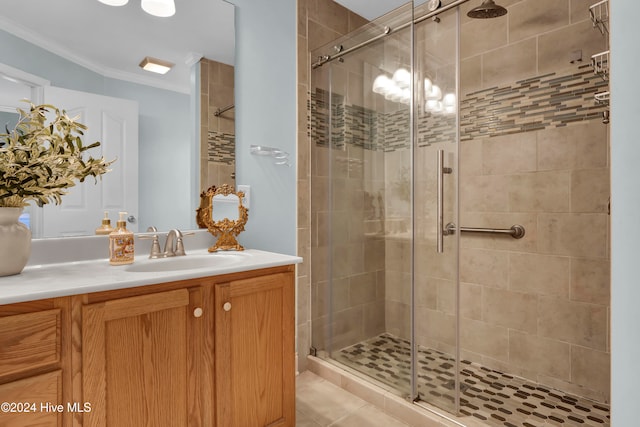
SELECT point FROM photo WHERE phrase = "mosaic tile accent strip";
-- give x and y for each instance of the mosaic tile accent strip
(493, 397)
(527, 105)
(221, 147)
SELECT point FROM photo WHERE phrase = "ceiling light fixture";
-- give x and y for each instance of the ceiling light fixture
(161, 8)
(156, 65)
(114, 2)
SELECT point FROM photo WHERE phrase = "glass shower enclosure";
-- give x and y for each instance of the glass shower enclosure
(384, 123)
(456, 164)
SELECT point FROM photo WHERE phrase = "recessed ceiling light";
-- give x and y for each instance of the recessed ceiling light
(156, 65)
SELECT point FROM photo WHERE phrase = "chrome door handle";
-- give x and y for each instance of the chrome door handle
(441, 170)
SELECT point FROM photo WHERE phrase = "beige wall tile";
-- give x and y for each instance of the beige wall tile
(510, 309)
(543, 355)
(374, 254)
(591, 368)
(554, 47)
(471, 74)
(427, 292)
(319, 35)
(540, 192)
(471, 301)
(374, 318)
(302, 18)
(580, 10)
(573, 322)
(591, 280)
(303, 292)
(320, 264)
(494, 35)
(540, 274)
(484, 338)
(436, 325)
(356, 21)
(590, 190)
(347, 327)
(397, 286)
(362, 288)
(470, 159)
(579, 146)
(484, 267)
(509, 63)
(429, 263)
(330, 14)
(580, 235)
(446, 295)
(398, 254)
(509, 154)
(397, 318)
(488, 193)
(532, 17)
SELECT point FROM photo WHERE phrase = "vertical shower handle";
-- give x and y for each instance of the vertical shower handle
(441, 170)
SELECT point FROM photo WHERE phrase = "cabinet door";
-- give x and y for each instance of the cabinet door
(33, 402)
(140, 358)
(254, 338)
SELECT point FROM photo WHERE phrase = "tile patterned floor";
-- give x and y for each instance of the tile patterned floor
(489, 396)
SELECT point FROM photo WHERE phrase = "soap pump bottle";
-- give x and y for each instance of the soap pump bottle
(106, 227)
(121, 243)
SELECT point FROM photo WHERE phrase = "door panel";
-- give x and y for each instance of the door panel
(113, 122)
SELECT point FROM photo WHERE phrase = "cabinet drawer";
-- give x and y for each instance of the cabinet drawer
(28, 341)
(32, 401)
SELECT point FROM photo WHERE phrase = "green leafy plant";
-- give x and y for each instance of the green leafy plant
(43, 156)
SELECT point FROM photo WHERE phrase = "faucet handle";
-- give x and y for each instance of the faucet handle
(155, 247)
(179, 247)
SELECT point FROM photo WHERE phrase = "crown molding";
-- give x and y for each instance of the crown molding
(46, 44)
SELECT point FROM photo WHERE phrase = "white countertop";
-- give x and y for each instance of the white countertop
(72, 278)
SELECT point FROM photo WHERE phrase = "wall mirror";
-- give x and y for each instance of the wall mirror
(222, 213)
(172, 128)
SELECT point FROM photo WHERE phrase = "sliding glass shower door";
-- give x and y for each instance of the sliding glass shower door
(384, 175)
(435, 276)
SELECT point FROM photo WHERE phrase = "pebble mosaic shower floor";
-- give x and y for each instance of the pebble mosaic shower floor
(495, 398)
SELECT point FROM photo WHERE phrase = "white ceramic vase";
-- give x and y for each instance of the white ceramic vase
(15, 242)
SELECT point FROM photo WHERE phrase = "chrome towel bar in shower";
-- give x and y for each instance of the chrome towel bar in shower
(516, 231)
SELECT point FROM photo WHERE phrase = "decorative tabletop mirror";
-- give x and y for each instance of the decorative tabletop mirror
(222, 213)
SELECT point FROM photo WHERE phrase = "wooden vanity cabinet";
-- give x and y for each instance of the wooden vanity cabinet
(35, 373)
(141, 360)
(214, 351)
(217, 351)
(254, 358)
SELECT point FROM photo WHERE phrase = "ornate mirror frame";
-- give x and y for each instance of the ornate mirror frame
(226, 229)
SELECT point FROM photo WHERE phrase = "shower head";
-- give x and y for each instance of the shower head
(488, 9)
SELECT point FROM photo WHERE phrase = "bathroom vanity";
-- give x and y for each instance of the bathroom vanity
(208, 341)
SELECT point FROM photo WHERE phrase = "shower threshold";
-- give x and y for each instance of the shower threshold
(487, 396)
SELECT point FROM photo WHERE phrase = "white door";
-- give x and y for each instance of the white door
(113, 122)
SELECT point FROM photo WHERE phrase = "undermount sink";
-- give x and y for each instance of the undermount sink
(188, 262)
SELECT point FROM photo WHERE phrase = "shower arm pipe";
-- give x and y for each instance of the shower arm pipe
(386, 31)
(219, 111)
(516, 231)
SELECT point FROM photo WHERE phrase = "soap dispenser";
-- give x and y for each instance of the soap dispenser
(106, 227)
(121, 243)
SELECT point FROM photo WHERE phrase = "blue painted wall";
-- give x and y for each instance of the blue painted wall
(265, 97)
(625, 206)
(166, 141)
